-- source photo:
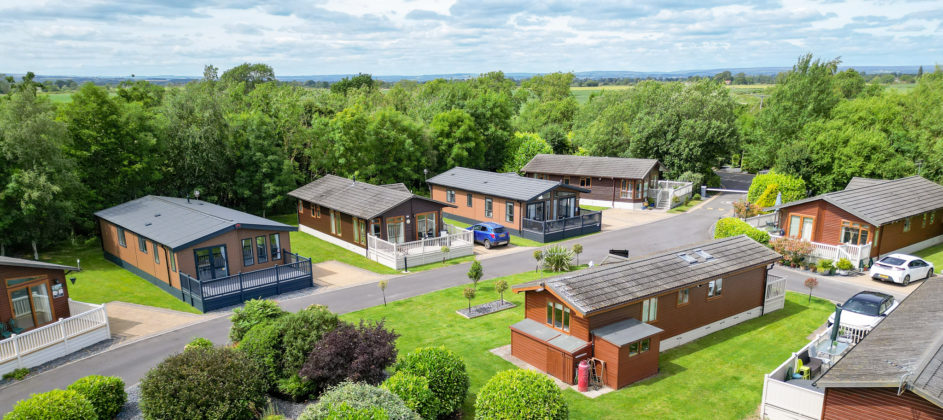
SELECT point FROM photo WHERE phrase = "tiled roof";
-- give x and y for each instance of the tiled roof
(885, 202)
(860, 182)
(506, 185)
(602, 287)
(906, 348)
(360, 199)
(598, 166)
(19, 262)
(179, 222)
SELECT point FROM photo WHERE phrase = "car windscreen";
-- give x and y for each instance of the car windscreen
(862, 306)
(499, 230)
(891, 261)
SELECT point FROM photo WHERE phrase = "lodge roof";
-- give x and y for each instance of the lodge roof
(19, 262)
(180, 222)
(884, 202)
(598, 166)
(859, 182)
(601, 287)
(905, 349)
(506, 185)
(359, 199)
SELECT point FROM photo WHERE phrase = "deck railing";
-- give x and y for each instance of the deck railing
(762, 220)
(553, 230)
(209, 294)
(54, 340)
(857, 254)
(424, 251)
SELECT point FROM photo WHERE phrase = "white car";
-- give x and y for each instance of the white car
(900, 268)
(865, 309)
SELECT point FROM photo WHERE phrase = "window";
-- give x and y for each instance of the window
(640, 346)
(683, 296)
(854, 233)
(801, 226)
(211, 263)
(633, 349)
(247, 257)
(646, 344)
(301, 207)
(275, 242)
(156, 254)
(932, 217)
(650, 310)
(336, 223)
(907, 224)
(715, 288)
(425, 225)
(394, 230)
(260, 249)
(624, 188)
(924, 224)
(468, 199)
(586, 182)
(121, 239)
(450, 196)
(357, 235)
(488, 211)
(509, 211)
(172, 256)
(558, 316)
(142, 244)
(317, 210)
(375, 227)
(566, 180)
(638, 189)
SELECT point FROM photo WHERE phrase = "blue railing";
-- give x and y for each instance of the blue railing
(209, 294)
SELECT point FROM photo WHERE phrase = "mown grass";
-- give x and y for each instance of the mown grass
(593, 208)
(717, 377)
(933, 254)
(685, 207)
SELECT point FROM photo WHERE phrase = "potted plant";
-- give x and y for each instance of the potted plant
(844, 266)
(826, 266)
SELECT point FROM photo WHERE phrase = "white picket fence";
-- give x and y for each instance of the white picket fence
(762, 220)
(857, 254)
(88, 326)
(672, 193)
(424, 251)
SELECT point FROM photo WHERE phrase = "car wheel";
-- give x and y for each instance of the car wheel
(487, 244)
(906, 280)
(930, 273)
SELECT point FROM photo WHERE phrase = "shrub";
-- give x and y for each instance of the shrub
(520, 394)
(696, 196)
(825, 265)
(475, 272)
(731, 226)
(414, 391)
(558, 258)
(744, 209)
(445, 372)
(215, 383)
(346, 411)
(53, 405)
(696, 179)
(255, 311)
(300, 331)
(17, 374)
(844, 264)
(791, 187)
(358, 396)
(106, 393)
(792, 250)
(295, 387)
(359, 354)
(263, 344)
(501, 286)
(198, 343)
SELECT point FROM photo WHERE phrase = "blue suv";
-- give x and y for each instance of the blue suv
(490, 234)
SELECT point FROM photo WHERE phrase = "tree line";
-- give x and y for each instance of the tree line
(244, 140)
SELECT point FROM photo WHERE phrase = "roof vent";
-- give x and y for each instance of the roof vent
(157, 215)
(147, 224)
(687, 258)
(703, 254)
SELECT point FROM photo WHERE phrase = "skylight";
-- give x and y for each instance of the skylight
(703, 254)
(687, 258)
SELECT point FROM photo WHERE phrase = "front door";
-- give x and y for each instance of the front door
(211, 263)
(395, 230)
(32, 306)
(425, 225)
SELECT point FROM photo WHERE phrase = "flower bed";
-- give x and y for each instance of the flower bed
(485, 309)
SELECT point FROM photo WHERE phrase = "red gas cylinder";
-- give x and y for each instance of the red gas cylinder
(583, 376)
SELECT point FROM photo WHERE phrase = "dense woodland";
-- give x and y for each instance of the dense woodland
(244, 140)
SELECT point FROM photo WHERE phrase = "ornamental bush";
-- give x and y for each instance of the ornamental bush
(558, 258)
(793, 188)
(217, 383)
(254, 312)
(198, 343)
(414, 391)
(300, 331)
(358, 354)
(53, 405)
(358, 397)
(263, 345)
(520, 394)
(732, 226)
(445, 372)
(106, 393)
(844, 264)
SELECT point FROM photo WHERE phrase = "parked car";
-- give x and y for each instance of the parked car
(901, 268)
(865, 309)
(490, 234)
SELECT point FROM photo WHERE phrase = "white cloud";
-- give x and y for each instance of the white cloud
(111, 37)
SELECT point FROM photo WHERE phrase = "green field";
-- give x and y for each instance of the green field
(59, 98)
(722, 372)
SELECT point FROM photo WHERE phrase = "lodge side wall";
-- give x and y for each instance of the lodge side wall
(60, 305)
(876, 403)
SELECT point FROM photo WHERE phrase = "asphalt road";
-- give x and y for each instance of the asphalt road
(133, 360)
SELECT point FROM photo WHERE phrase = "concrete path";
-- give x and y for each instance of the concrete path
(130, 321)
(615, 219)
(337, 274)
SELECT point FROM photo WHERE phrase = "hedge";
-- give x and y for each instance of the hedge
(198, 343)
(445, 372)
(216, 383)
(414, 391)
(769, 185)
(520, 394)
(358, 397)
(732, 226)
(53, 405)
(106, 393)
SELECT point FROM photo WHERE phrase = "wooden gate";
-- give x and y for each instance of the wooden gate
(775, 293)
(555, 364)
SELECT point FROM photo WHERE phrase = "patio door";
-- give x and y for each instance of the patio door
(566, 205)
(211, 263)
(535, 211)
(801, 226)
(32, 305)
(425, 225)
(395, 230)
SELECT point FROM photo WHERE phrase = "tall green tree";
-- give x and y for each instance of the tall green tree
(456, 141)
(248, 75)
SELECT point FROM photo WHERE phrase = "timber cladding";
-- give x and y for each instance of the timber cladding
(876, 403)
(308, 216)
(60, 305)
(477, 209)
(622, 368)
(893, 237)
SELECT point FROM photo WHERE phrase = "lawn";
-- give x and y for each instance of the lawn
(933, 254)
(515, 240)
(718, 377)
(102, 281)
(593, 208)
(685, 207)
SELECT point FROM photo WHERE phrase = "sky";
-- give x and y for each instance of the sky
(413, 37)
